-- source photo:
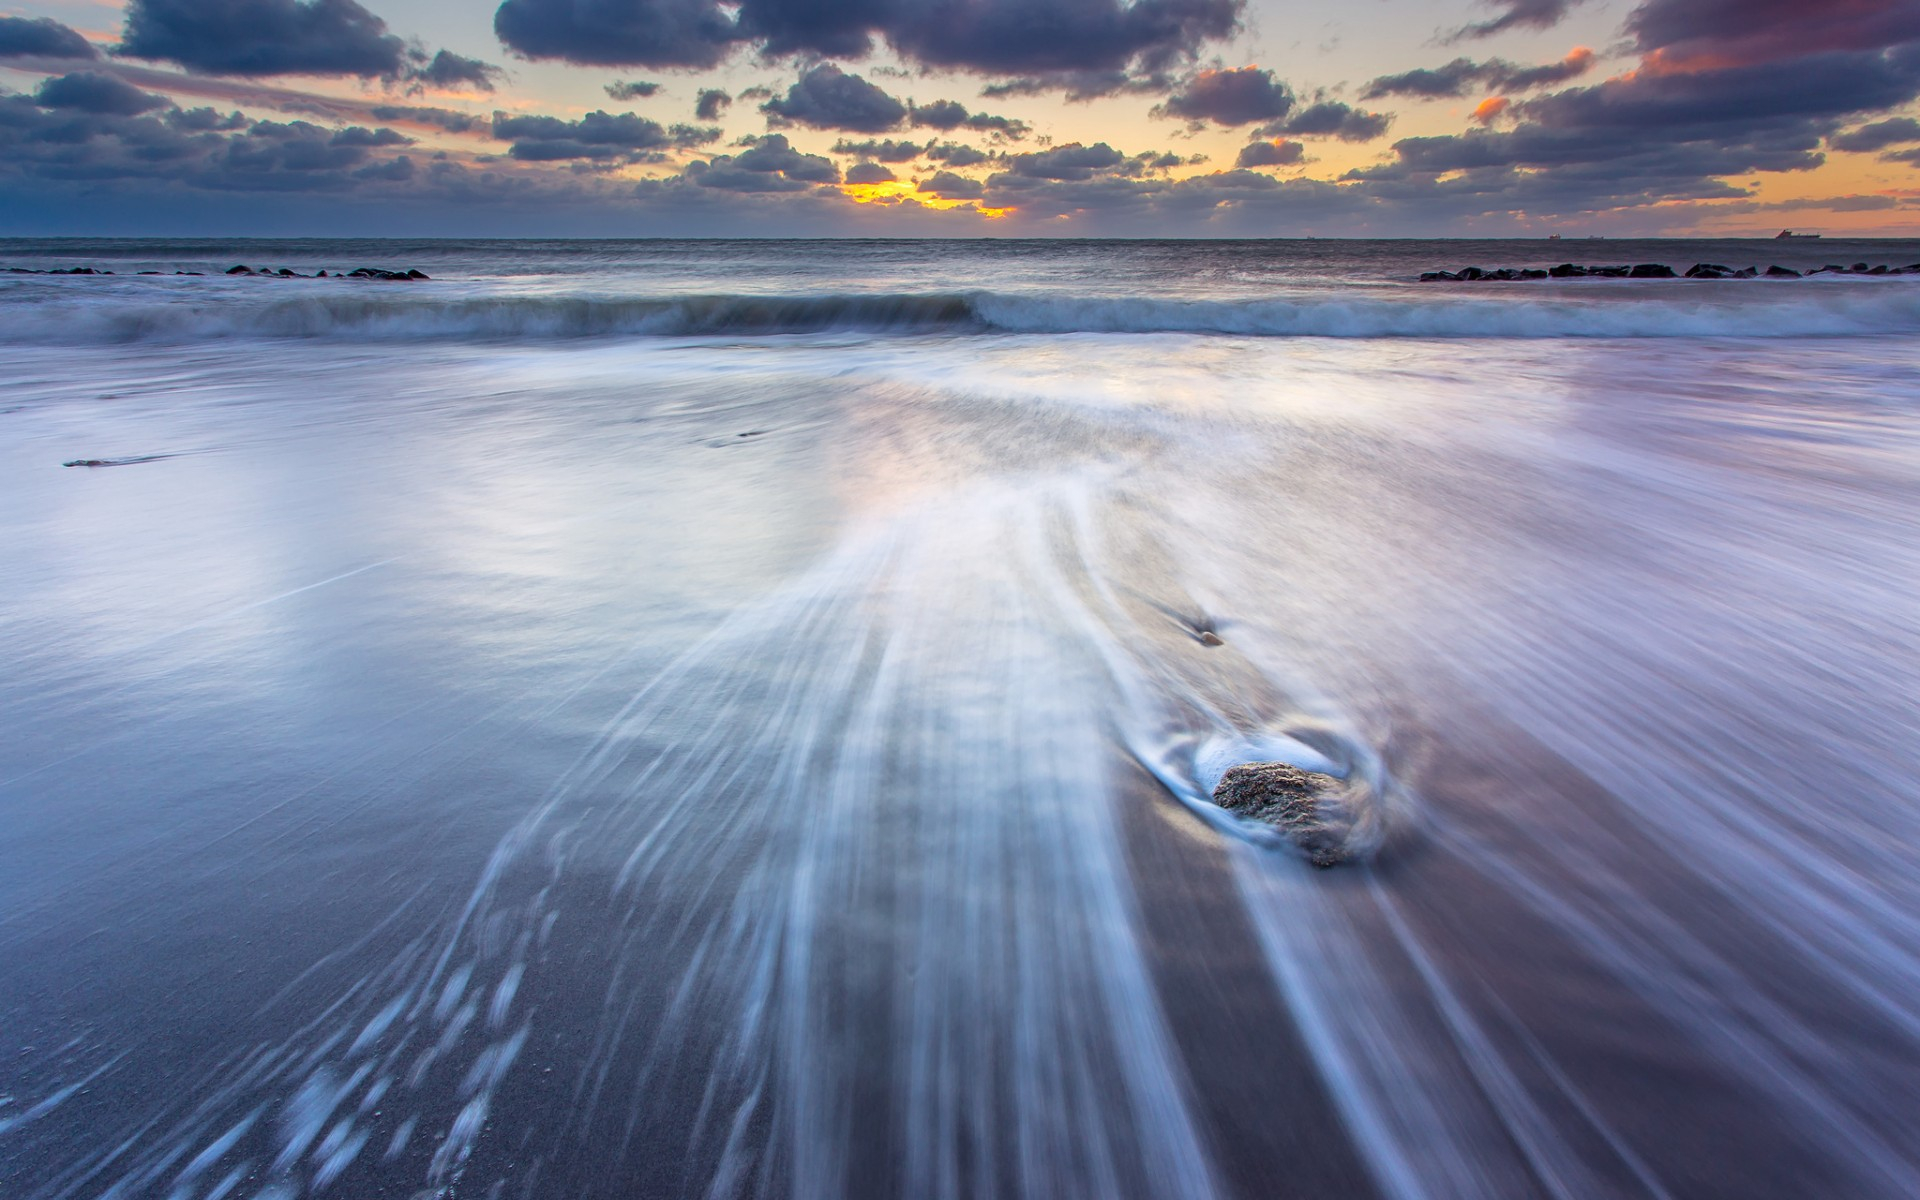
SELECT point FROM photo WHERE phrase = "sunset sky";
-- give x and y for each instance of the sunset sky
(1202, 118)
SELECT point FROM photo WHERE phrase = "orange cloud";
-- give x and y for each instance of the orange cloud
(1491, 108)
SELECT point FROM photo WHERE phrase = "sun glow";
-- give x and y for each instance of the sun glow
(894, 191)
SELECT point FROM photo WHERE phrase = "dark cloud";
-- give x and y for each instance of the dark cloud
(949, 186)
(957, 154)
(948, 115)
(870, 172)
(710, 103)
(440, 118)
(618, 33)
(1519, 14)
(447, 69)
(1270, 154)
(41, 37)
(264, 37)
(1032, 36)
(1330, 118)
(598, 136)
(1080, 86)
(91, 92)
(887, 151)
(1743, 32)
(825, 97)
(1002, 37)
(1072, 161)
(1462, 75)
(1651, 137)
(78, 133)
(770, 164)
(629, 90)
(1239, 96)
(1893, 131)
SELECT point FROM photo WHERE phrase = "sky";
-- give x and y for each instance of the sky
(962, 118)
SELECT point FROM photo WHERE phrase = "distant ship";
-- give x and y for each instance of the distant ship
(1788, 233)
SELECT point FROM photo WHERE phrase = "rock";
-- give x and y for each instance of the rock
(1305, 805)
(1709, 271)
(1209, 638)
(1650, 271)
(1610, 272)
(1566, 271)
(1472, 274)
(416, 273)
(240, 270)
(1858, 268)
(115, 462)
(1746, 273)
(1879, 270)
(1779, 272)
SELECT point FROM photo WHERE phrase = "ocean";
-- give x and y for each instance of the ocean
(727, 719)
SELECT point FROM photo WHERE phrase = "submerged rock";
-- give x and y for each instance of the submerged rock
(1307, 806)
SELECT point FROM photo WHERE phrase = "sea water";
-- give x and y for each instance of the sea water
(731, 719)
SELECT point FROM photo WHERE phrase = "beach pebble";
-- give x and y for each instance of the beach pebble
(1305, 805)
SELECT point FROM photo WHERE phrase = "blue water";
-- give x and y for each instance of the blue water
(727, 719)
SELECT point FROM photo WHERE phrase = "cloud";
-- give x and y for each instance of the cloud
(1720, 33)
(1081, 86)
(825, 97)
(1239, 96)
(1462, 75)
(91, 92)
(448, 70)
(625, 91)
(77, 132)
(710, 103)
(948, 115)
(999, 37)
(41, 37)
(1330, 118)
(870, 172)
(956, 154)
(889, 150)
(1879, 135)
(1033, 36)
(440, 118)
(598, 136)
(949, 186)
(1490, 110)
(1072, 161)
(1519, 14)
(614, 33)
(264, 37)
(770, 164)
(1270, 154)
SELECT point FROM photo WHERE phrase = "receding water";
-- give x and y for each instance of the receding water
(662, 719)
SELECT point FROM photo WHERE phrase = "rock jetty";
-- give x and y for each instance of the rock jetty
(409, 275)
(1654, 271)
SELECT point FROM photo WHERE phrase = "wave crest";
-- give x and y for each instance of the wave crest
(1763, 310)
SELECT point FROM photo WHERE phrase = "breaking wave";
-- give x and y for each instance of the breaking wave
(1642, 310)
